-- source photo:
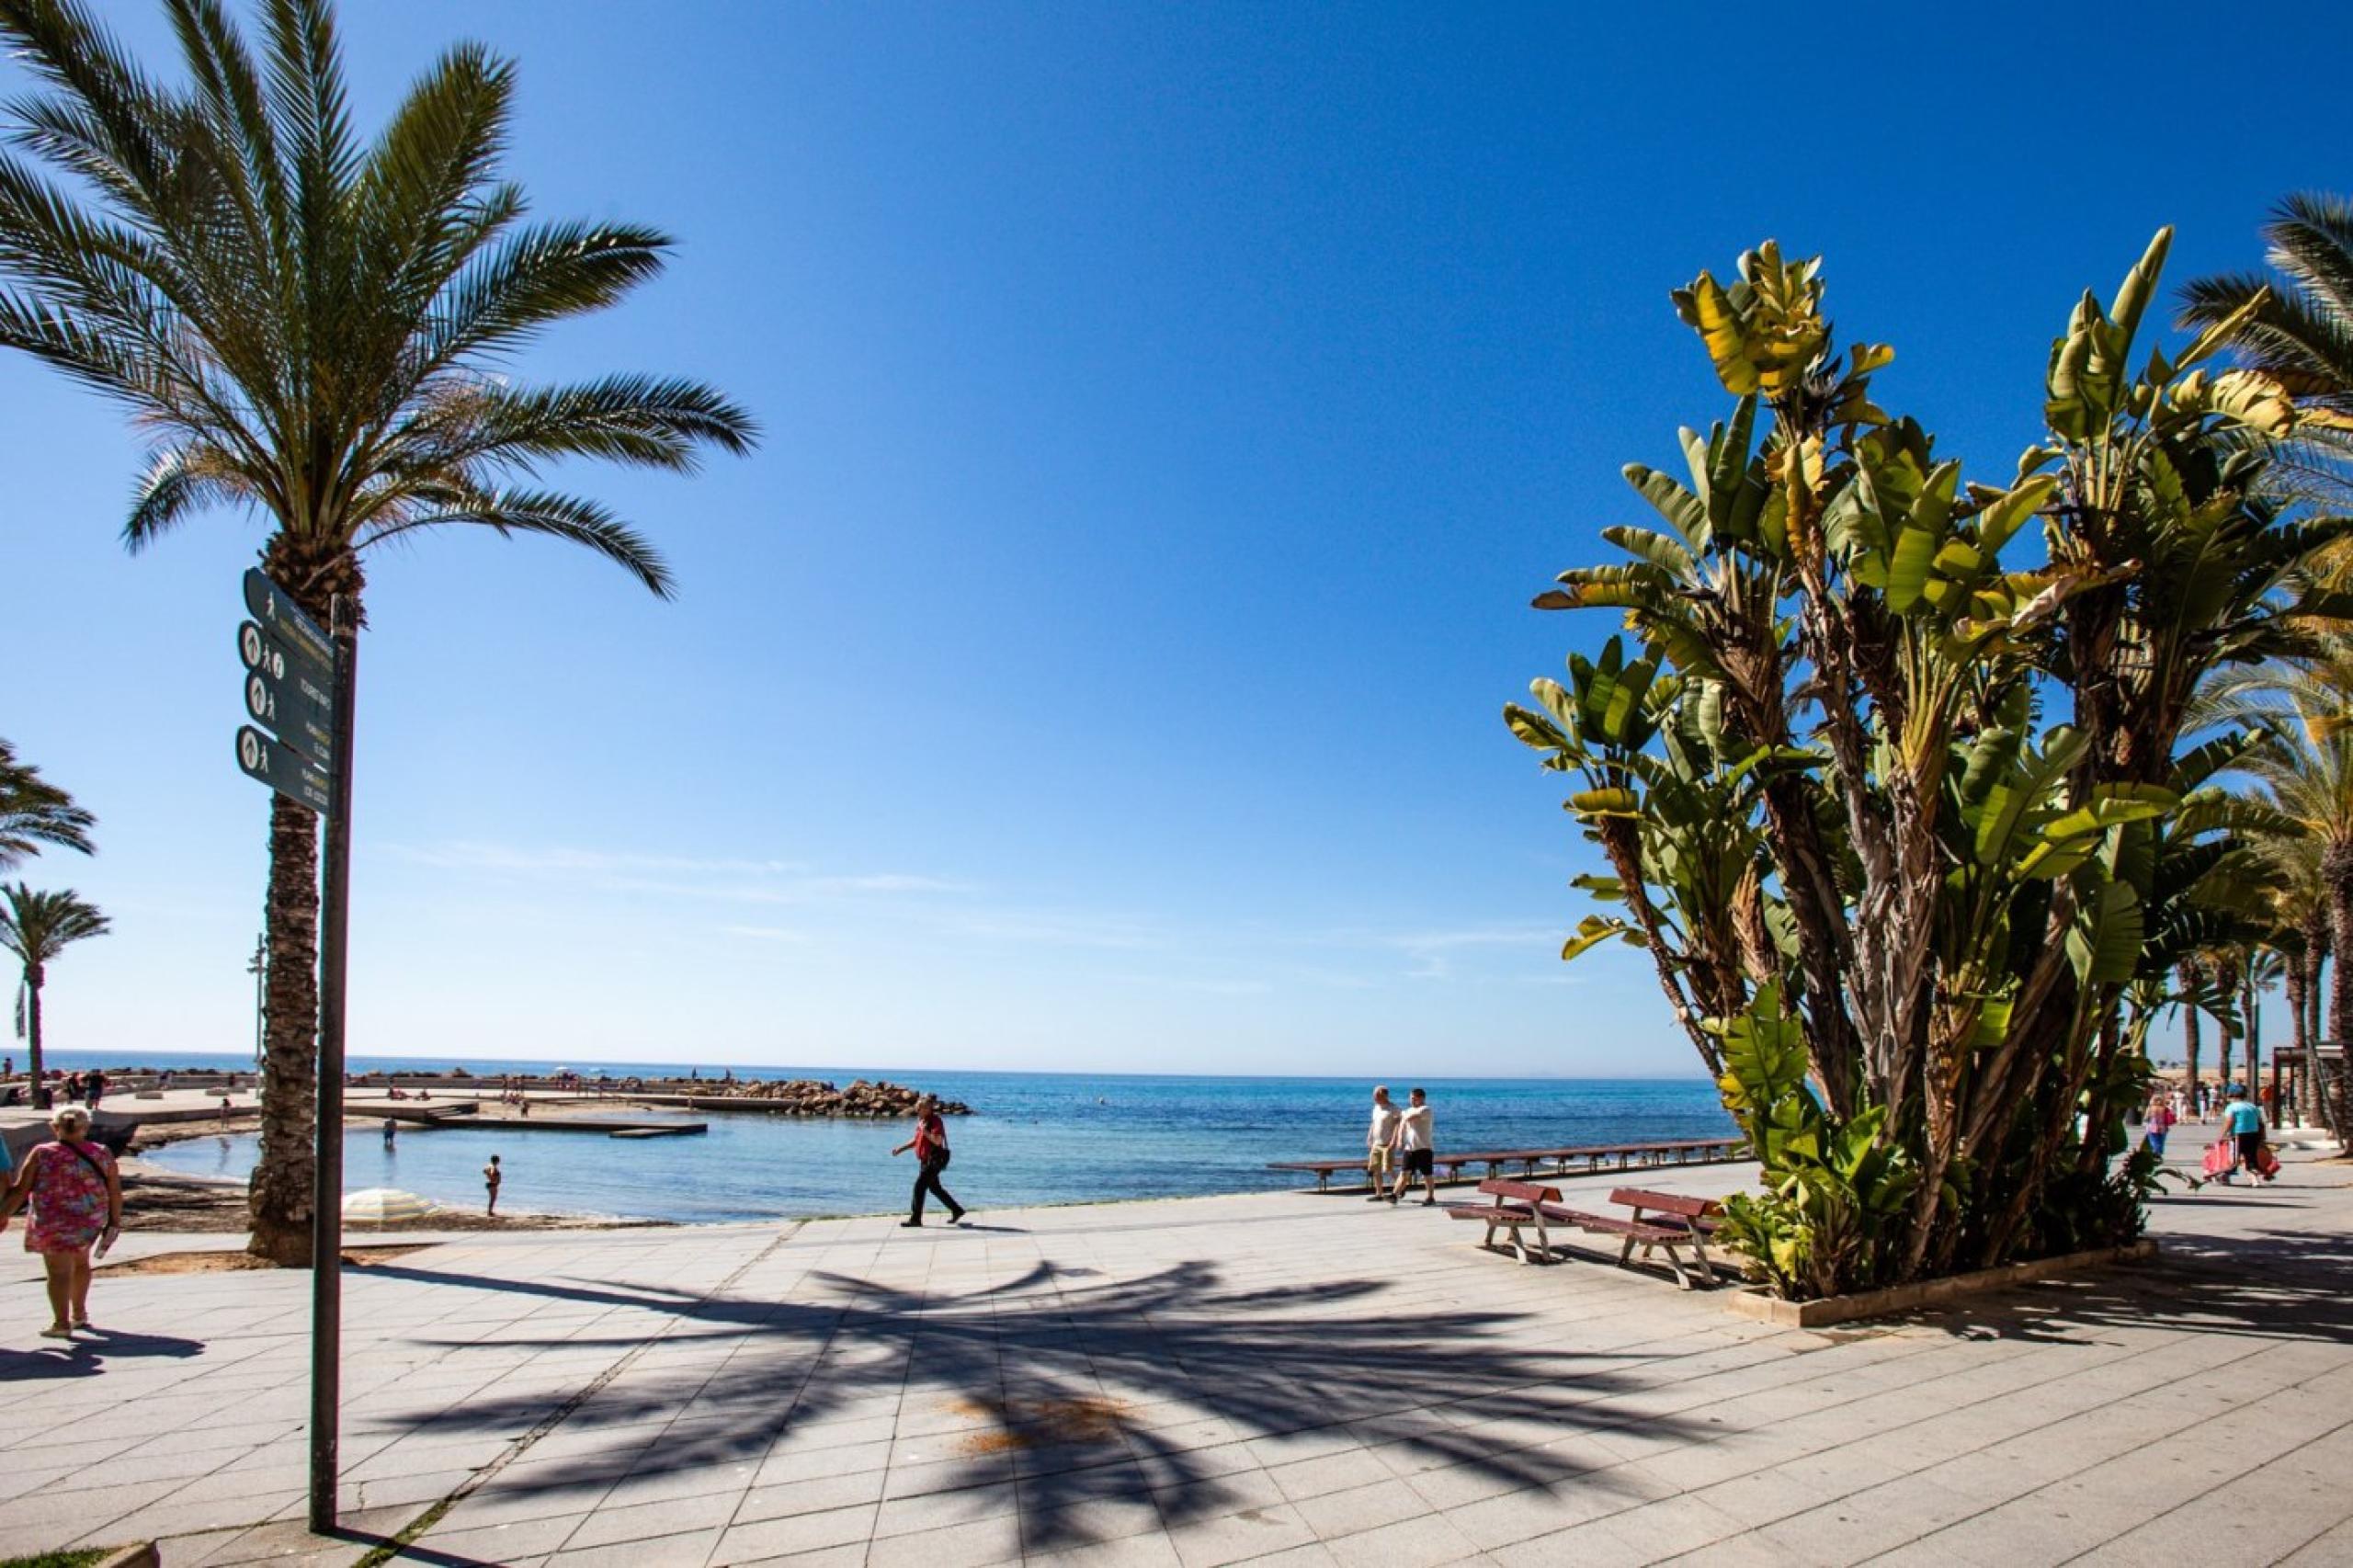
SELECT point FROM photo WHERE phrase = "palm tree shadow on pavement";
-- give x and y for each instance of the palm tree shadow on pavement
(2266, 1284)
(1099, 1394)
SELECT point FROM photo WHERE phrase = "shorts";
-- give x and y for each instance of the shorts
(1377, 1160)
(1418, 1161)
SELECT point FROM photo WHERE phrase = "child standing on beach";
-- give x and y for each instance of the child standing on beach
(491, 1176)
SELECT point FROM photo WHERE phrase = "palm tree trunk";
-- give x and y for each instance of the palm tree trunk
(2190, 1029)
(2336, 873)
(33, 978)
(2300, 990)
(280, 1197)
(2317, 947)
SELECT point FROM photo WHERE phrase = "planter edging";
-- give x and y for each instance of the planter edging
(1928, 1292)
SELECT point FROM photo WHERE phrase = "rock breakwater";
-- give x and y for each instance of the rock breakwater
(815, 1097)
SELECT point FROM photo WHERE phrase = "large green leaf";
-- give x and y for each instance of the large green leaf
(1683, 511)
(1596, 929)
(1907, 568)
(2104, 944)
(2109, 805)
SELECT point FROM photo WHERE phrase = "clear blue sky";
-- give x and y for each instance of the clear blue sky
(1170, 411)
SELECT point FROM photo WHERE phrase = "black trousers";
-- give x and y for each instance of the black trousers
(927, 1181)
(2250, 1145)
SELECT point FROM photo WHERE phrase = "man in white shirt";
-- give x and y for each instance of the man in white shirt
(1379, 1143)
(1419, 1148)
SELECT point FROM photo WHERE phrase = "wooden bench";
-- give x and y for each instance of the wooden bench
(1517, 1206)
(1661, 1221)
(1701, 1214)
(1322, 1169)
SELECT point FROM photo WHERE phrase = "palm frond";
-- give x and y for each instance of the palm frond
(36, 927)
(35, 813)
(180, 480)
(573, 518)
(533, 278)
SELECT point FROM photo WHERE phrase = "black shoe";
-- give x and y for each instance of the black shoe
(911, 1224)
(1377, 1198)
(957, 1217)
(1429, 1202)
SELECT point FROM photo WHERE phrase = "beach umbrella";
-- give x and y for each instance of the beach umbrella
(381, 1203)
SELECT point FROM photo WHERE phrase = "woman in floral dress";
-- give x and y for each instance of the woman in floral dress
(77, 1198)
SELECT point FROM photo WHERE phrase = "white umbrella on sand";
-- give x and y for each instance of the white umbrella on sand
(382, 1203)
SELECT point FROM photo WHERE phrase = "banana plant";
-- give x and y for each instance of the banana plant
(1824, 777)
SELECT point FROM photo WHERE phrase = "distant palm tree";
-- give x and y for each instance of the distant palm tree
(2304, 773)
(2190, 972)
(35, 813)
(36, 927)
(318, 330)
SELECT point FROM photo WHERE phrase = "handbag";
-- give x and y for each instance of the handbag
(2222, 1156)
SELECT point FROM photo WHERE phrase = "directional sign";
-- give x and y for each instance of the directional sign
(283, 619)
(283, 768)
(280, 693)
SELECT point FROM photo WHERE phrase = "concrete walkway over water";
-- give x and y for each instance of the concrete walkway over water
(1276, 1379)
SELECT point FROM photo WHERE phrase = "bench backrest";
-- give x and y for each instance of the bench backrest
(1666, 1202)
(1519, 1192)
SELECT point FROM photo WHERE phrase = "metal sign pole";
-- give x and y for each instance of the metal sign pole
(327, 1210)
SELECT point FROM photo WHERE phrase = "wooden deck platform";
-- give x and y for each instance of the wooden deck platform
(1580, 1159)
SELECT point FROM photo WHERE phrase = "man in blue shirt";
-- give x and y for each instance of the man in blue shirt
(2244, 1122)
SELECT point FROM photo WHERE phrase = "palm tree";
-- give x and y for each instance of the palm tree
(36, 927)
(318, 330)
(2300, 331)
(35, 813)
(2304, 773)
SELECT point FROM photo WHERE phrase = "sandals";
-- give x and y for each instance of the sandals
(57, 1331)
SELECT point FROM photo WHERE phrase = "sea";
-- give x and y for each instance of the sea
(1033, 1138)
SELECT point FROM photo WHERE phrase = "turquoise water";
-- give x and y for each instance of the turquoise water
(1035, 1138)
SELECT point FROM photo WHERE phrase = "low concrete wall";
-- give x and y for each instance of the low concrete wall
(1928, 1293)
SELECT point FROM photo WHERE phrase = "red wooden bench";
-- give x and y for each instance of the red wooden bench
(1517, 1206)
(1661, 1221)
(1701, 1214)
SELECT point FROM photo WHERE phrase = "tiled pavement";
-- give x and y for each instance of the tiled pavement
(1276, 1379)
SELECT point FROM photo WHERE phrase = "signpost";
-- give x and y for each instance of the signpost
(284, 769)
(299, 687)
(283, 692)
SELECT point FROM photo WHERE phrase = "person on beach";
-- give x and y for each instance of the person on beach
(491, 1176)
(392, 1129)
(930, 1144)
(2243, 1123)
(1418, 1147)
(1379, 1143)
(96, 1085)
(2161, 1120)
(76, 1196)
